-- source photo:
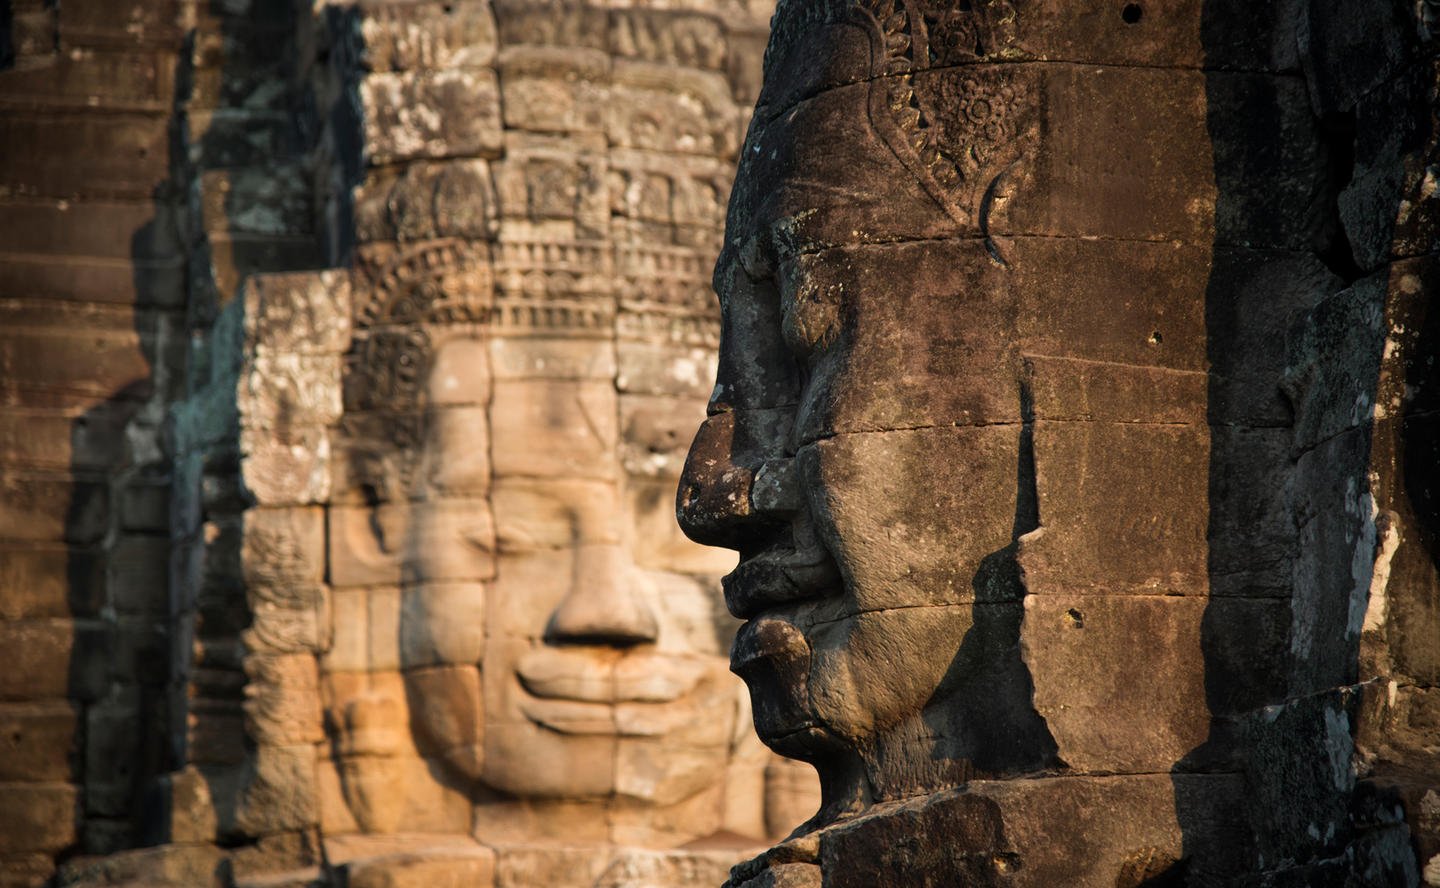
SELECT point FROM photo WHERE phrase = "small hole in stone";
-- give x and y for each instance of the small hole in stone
(1077, 619)
(1156, 338)
(1131, 13)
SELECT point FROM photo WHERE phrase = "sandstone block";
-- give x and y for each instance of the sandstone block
(283, 546)
(286, 468)
(40, 581)
(50, 509)
(636, 867)
(649, 368)
(298, 312)
(449, 540)
(925, 551)
(449, 868)
(129, 149)
(350, 646)
(1008, 830)
(279, 791)
(61, 440)
(519, 866)
(139, 568)
(454, 198)
(554, 89)
(1336, 550)
(662, 108)
(145, 507)
(37, 816)
(290, 627)
(442, 622)
(367, 544)
(191, 805)
(1333, 361)
(434, 803)
(1094, 658)
(26, 870)
(456, 459)
(56, 659)
(113, 732)
(569, 448)
(1122, 508)
(428, 35)
(168, 866)
(449, 113)
(38, 741)
(282, 700)
(551, 358)
(280, 390)
(446, 715)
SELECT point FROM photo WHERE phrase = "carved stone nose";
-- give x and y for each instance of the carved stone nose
(713, 502)
(604, 605)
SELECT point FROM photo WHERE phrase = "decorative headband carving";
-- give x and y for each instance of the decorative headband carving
(957, 124)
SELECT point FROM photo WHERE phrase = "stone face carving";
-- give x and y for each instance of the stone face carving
(533, 336)
(833, 413)
(998, 432)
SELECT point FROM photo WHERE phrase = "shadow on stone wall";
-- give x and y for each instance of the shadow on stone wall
(153, 528)
(1292, 525)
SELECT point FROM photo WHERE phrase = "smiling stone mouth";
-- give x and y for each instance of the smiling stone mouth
(778, 576)
(597, 677)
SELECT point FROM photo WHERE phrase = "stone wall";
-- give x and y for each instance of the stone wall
(93, 344)
(153, 155)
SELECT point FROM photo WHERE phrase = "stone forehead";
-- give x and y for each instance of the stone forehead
(917, 34)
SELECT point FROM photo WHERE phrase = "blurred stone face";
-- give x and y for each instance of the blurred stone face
(604, 667)
(534, 344)
(865, 434)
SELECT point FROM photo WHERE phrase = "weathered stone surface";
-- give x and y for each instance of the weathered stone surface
(283, 389)
(39, 741)
(457, 637)
(164, 867)
(283, 546)
(427, 35)
(467, 868)
(55, 659)
(436, 114)
(41, 581)
(1191, 530)
(289, 468)
(1122, 508)
(279, 791)
(282, 700)
(300, 312)
(37, 816)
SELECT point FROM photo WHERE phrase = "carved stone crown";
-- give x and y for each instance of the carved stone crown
(958, 130)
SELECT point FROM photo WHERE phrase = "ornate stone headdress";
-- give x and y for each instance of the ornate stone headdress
(956, 123)
(585, 290)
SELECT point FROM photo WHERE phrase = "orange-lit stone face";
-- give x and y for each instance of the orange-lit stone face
(603, 677)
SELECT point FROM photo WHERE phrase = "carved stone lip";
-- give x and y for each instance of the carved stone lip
(770, 639)
(598, 676)
(779, 576)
